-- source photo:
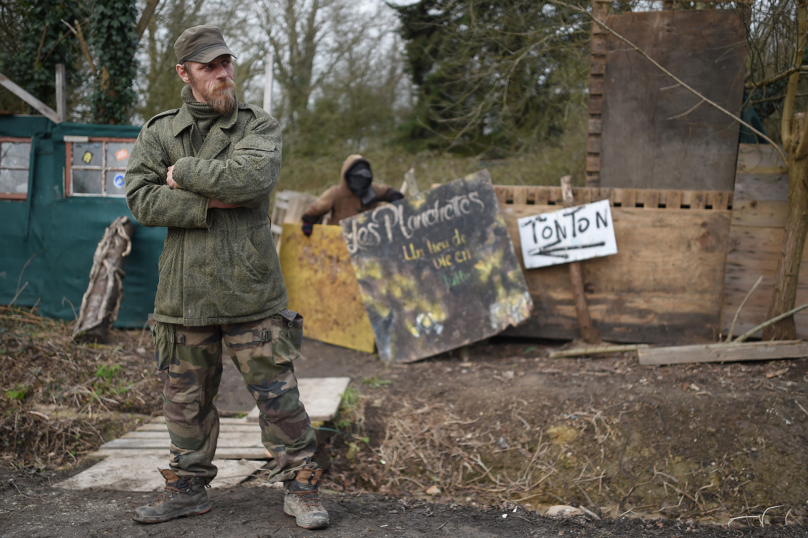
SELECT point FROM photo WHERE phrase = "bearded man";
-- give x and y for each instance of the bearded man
(205, 171)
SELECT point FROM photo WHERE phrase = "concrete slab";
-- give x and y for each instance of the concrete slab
(139, 473)
(321, 396)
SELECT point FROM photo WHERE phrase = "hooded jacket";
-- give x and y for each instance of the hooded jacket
(218, 266)
(342, 202)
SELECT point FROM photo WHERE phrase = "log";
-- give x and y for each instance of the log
(102, 300)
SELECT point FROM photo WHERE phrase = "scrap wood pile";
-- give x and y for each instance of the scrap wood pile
(60, 400)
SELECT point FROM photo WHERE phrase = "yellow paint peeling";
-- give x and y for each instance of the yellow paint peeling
(321, 285)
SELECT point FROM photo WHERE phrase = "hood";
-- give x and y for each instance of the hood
(349, 162)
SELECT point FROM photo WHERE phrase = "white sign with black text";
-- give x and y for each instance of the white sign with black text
(572, 234)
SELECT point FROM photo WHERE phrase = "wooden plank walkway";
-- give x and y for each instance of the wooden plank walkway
(132, 460)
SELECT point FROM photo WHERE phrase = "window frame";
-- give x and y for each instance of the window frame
(103, 168)
(18, 196)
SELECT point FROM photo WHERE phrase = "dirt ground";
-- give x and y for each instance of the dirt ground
(449, 445)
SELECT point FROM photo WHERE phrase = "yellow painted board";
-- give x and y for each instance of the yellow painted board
(322, 286)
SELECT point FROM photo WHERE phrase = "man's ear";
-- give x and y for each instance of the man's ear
(183, 73)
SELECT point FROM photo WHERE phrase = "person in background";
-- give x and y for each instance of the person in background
(355, 194)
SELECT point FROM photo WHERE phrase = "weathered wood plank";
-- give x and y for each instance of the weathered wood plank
(520, 195)
(759, 351)
(753, 252)
(221, 453)
(761, 187)
(764, 214)
(243, 441)
(223, 428)
(664, 285)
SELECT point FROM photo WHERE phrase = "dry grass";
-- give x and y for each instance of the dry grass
(599, 460)
(564, 156)
(60, 400)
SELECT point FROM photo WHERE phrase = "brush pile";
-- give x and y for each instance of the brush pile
(60, 400)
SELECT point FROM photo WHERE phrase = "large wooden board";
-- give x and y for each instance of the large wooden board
(644, 144)
(758, 218)
(663, 286)
(437, 270)
(322, 286)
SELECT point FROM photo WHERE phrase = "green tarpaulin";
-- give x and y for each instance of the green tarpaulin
(47, 241)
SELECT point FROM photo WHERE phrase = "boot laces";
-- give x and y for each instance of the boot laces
(310, 498)
(170, 491)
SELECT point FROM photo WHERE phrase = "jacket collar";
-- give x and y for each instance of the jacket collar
(216, 140)
(183, 120)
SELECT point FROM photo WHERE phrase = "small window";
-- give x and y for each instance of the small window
(15, 154)
(96, 167)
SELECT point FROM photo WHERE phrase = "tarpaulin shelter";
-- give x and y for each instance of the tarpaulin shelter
(54, 208)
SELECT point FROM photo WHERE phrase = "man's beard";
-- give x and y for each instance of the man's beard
(221, 96)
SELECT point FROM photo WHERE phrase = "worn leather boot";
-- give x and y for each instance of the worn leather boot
(184, 496)
(302, 500)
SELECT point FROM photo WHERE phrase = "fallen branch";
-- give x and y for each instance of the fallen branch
(738, 312)
(595, 350)
(765, 324)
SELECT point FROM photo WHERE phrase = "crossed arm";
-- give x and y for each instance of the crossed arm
(180, 194)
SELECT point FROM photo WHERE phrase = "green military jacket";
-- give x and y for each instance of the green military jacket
(218, 266)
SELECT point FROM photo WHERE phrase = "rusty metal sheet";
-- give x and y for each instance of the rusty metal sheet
(322, 286)
(437, 270)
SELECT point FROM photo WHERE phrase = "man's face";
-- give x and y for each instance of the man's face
(212, 82)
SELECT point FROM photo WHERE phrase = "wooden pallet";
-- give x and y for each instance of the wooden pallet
(664, 285)
(758, 221)
(628, 198)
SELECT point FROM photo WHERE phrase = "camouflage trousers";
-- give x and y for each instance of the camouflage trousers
(264, 352)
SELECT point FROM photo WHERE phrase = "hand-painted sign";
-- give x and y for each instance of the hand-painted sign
(572, 234)
(437, 270)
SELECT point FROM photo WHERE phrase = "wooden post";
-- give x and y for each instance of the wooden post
(597, 70)
(588, 332)
(61, 90)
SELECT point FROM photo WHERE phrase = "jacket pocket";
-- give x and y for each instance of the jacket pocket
(257, 151)
(256, 249)
(287, 336)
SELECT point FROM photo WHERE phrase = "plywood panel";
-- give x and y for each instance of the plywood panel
(322, 286)
(663, 286)
(652, 136)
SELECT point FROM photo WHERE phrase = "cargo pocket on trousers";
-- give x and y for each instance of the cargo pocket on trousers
(163, 348)
(287, 336)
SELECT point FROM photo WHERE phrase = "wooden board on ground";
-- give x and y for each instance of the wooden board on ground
(656, 134)
(321, 285)
(759, 214)
(437, 270)
(139, 473)
(321, 396)
(753, 351)
(663, 286)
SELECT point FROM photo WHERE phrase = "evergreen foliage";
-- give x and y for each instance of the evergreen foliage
(114, 41)
(491, 76)
(34, 41)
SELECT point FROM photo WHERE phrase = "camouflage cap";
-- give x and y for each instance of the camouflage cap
(201, 44)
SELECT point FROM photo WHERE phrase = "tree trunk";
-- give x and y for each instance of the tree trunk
(788, 267)
(102, 300)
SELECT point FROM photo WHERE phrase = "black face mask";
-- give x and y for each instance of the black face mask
(359, 177)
